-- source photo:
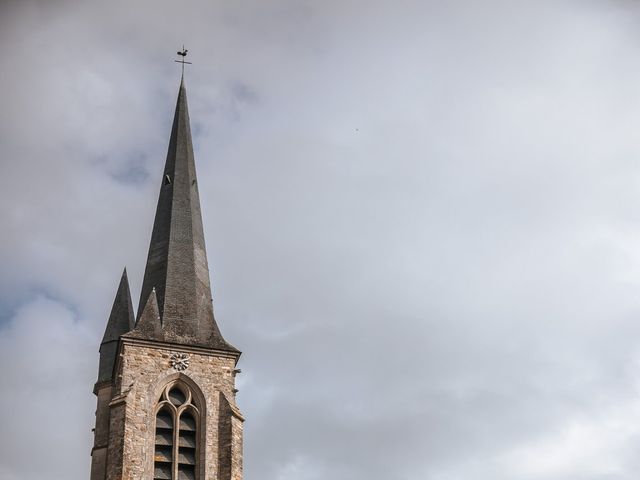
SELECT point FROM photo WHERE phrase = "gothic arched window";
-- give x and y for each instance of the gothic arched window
(176, 441)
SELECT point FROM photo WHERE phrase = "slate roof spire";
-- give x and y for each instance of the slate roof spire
(121, 320)
(177, 261)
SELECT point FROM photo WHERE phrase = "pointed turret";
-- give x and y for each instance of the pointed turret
(120, 322)
(148, 325)
(177, 261)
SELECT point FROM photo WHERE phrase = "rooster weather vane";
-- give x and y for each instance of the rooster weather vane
(183, 54)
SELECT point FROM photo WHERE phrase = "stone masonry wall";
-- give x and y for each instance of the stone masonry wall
(142, 374)
(101, 432)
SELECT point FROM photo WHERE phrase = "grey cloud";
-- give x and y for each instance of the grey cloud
(420, 218)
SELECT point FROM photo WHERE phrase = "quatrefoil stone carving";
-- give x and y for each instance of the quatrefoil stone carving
(179, 361)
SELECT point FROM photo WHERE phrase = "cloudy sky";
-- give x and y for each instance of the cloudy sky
(422, 220)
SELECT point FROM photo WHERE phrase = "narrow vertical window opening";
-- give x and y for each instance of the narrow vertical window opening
(176, 435)
(163, 457)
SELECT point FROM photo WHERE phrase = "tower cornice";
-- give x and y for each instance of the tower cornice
(180, 347)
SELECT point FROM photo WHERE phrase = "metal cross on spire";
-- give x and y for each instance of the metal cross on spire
(183, 54)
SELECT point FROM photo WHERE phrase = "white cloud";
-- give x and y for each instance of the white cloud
(44, 351)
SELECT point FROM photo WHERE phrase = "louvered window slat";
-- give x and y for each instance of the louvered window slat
(179, 461)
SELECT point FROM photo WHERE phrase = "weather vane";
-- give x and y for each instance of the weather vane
(183, 54)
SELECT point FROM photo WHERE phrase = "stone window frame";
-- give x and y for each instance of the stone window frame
(196, 404)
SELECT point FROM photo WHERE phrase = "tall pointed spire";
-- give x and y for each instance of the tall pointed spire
(121, 320)
(177, 262)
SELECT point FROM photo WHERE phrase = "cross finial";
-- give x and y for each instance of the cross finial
(183, 54)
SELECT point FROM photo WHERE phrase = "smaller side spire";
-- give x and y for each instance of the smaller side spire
(149, 325)
(121, 320)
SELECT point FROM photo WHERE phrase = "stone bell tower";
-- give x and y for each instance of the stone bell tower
(166, 381)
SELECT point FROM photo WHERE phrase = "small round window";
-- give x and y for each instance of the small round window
(177, 396)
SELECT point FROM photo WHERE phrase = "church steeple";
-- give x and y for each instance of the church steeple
(166, 393)
(177, 261)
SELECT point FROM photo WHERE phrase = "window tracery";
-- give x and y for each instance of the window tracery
(176, 440)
